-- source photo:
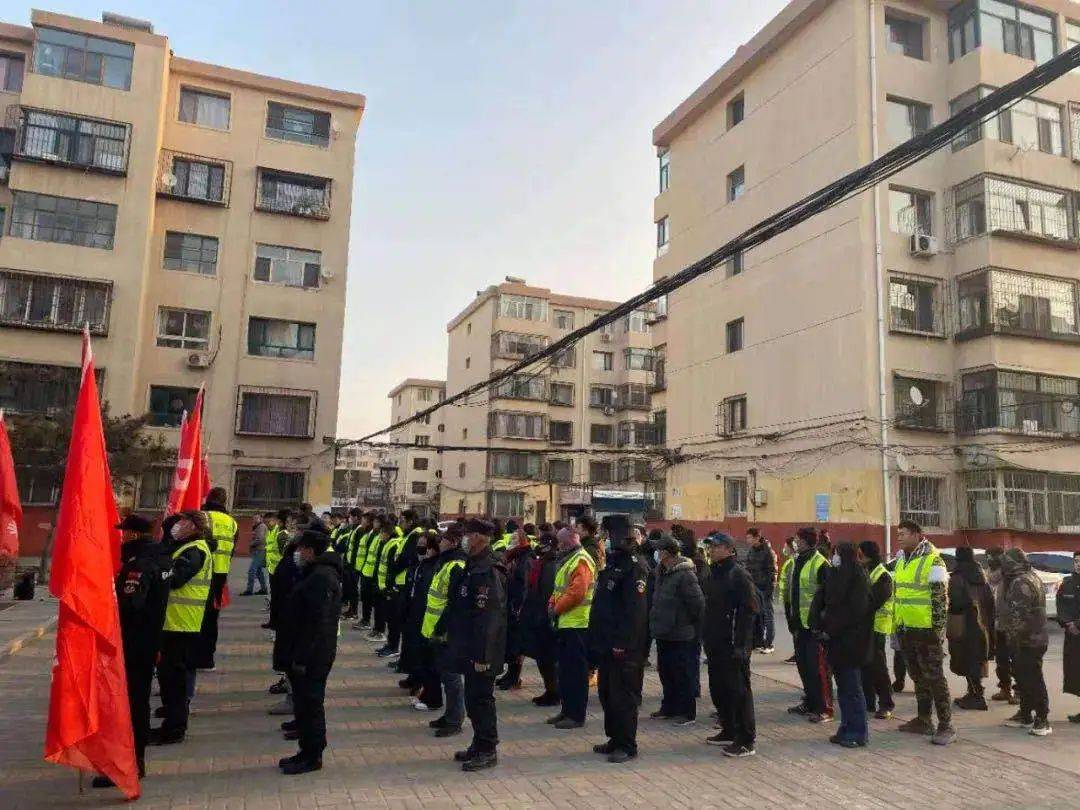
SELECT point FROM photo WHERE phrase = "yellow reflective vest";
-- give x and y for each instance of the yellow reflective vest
(399, 580)
(502, 543)
(390, 549)
(223, 528)
(370, 566)
(437, 597)
(358, 545)
(187, 604)
(785, 580)
(273, 548)
(883, 616)
(808, 586)
(577, 618)
(911, 591)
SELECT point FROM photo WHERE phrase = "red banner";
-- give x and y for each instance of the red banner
(190, 478)
(10, 506)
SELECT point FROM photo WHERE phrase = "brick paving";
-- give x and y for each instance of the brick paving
(381, 754)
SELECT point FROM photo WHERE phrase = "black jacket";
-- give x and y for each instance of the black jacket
(476, 626)
(314, 612)
(415, 650)
(538, 636)
(761, 565)
(619, 619)
(142, 591)
(731, 601)
(846, 618)
(452, 588)
(187, 564)
(677, 605)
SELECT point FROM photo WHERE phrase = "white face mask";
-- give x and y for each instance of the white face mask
(297, 559)
(464, 543)
(835, 560)
(174, 532)
(656, 557)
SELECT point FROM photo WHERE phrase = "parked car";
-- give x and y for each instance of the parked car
(1050, 566)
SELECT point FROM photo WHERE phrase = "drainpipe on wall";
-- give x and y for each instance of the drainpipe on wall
(879, 289)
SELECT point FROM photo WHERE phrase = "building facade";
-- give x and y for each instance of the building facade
(357, 479)
(197, 218)
(544, 443)
(419, 463)
(912, 352)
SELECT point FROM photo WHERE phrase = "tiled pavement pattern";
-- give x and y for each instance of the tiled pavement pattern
(382, 756)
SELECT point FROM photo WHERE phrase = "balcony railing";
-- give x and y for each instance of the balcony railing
(194, 178)
(92, 144)
(659, 377)
(297, 195)
(1047, 415)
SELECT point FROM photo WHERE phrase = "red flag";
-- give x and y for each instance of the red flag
(187, 489)
(89, 718)
(10, 507)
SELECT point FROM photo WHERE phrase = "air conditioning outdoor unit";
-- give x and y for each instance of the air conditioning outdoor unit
(923, 245)
(605, 337)
(198, 360)
(608, 410)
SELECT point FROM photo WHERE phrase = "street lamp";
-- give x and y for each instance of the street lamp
(388, 474)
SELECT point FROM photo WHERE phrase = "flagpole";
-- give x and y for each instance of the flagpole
(82, 787)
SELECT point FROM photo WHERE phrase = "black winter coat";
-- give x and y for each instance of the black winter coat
(142, 591)
(538, 640)
(970, 627)
(846, 618)
(619, 619)
(517, 560)
(1068, 613)
(731, 602)
(415, 649)
(476, 624)
(677, 603)
(314, 613)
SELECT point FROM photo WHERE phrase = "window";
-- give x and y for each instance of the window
(601, 396)
(39, 388)
(920, 499)
(734, 265)
(567, 358)
(69, 140)
(634, 434)
(514, 345)
(516, 425)
(418, 487)
(560, 470)
(268, 490)
(903, 36)
(639, 359)
(633, 396)
(168, 404)
(1029, 123)
(734, 335)
(268, 337)
(511, 464)
(424, 395)
(297, 124)
(732, 416)
(423, 441)
(505, 504)
(521, 386)
(633, 469)
(1008, 302)
(603, 361)
(191, 252)
(196, 179)
(665, 170)
(736, 109)
(1074, 128)
(662, 236)
(916, 305)
(38, 301)
(736, 184)
(562, 393)
(905, 120)
(910, 212)
(296, 194)
(561, 432)
(1027, 500)
(1002, 25)
(637, 321)
(275, 412)
(974, 133)
(461, 469)
(11, 72)
(659, 427)
(183, 328)
(83, 58)
(154, 488)
(61, 219)
(292, 267)
(990, 204)
(601, 472)
(204, 108)
(522, 307)
(735, 496)
(921, 404)
(601, 434)
(563, 318)
(1015, 401)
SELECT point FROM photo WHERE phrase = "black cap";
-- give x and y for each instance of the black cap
(477, 526)
(314, 540)
(667, 543)
(136, 523)
(721, 539)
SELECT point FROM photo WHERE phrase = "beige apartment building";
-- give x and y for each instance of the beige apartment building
(911, 353)
(358, 478)
(556, 440)
(197, 217)
(419, 466)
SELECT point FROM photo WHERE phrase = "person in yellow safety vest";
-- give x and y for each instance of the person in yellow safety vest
(783, 582)
(808, 574)
(570, 607)
(451, 563)
(224, 530)
(190, 545)
(369, 574)
(920, 612)
(877, 685)
(348, 533)
(399, 557)
(275, 540)
(503, 541)
(363, 540)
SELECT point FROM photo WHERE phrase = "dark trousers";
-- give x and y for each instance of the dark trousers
(480, 707)
(764, 626)
(379, 607)
(1027, 665)
(677, 662)
(619, 683)
(813, 672)
(549, 673)
(351, 595)
(573, 673)
(309, 694)
(925, 659)
(177, 651)
(731, 693)
(367, 597)
(1003, 660)
(899, 666)
(395, 610)
(877, 687)
(849, 695)
(139, 669)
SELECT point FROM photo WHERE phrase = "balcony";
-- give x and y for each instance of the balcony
(990, 204)
(275, 412)
(298, 195)
(921, 404)
(522, 386)
(995, 301)
(1026, 500)
(1018, 402)
(90, 144)
(516, 346)
(194, 178)
(54, 303)
(38, 388)
(633, 397)
(636, 434)
(659, 377)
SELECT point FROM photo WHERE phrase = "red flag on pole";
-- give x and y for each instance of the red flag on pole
(89, 718)
(10, 506)
(187, 489)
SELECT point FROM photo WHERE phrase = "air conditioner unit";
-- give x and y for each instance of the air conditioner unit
(605, 337)
(198, 360)
(923, 245)
(608, 410)
(761, 498)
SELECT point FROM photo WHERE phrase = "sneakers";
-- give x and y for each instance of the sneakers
(1041, 728)
(813, 717)
(164, 736)
(1019, 720)
(724, 738)
(883, 714)
(944, 736)
(420, 706)
(375, 638)
(464, 756)
(972, 702)
(897, 687)
(791, 659)
(567, 723)
(555, 719)
(447, 731)
(660, 714)
(480, 762)
(387, 652)
(737, 751)
(618, 756)
(765, 650)
(279, 688)
(1004, 695)
(547, 699)
(800, 709)
(603, 748)
(299, 766)
(683, 722)
(917, 725)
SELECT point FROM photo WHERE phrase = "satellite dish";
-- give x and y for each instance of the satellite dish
(915, 394)
(168, 180)
(902, 463)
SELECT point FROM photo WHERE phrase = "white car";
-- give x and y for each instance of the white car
(1049, 566)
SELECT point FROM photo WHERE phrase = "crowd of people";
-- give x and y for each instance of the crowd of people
(456, 612)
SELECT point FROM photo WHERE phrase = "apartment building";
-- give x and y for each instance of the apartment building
(911, 353)
(197, 218)
(560, 438)
(419, 465)
(358, 478)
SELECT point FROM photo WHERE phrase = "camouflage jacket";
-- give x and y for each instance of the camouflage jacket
(1023, 615)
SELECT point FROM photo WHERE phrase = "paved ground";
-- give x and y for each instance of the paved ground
(382, 756)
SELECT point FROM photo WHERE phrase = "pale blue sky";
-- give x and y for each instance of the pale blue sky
(502, 137)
